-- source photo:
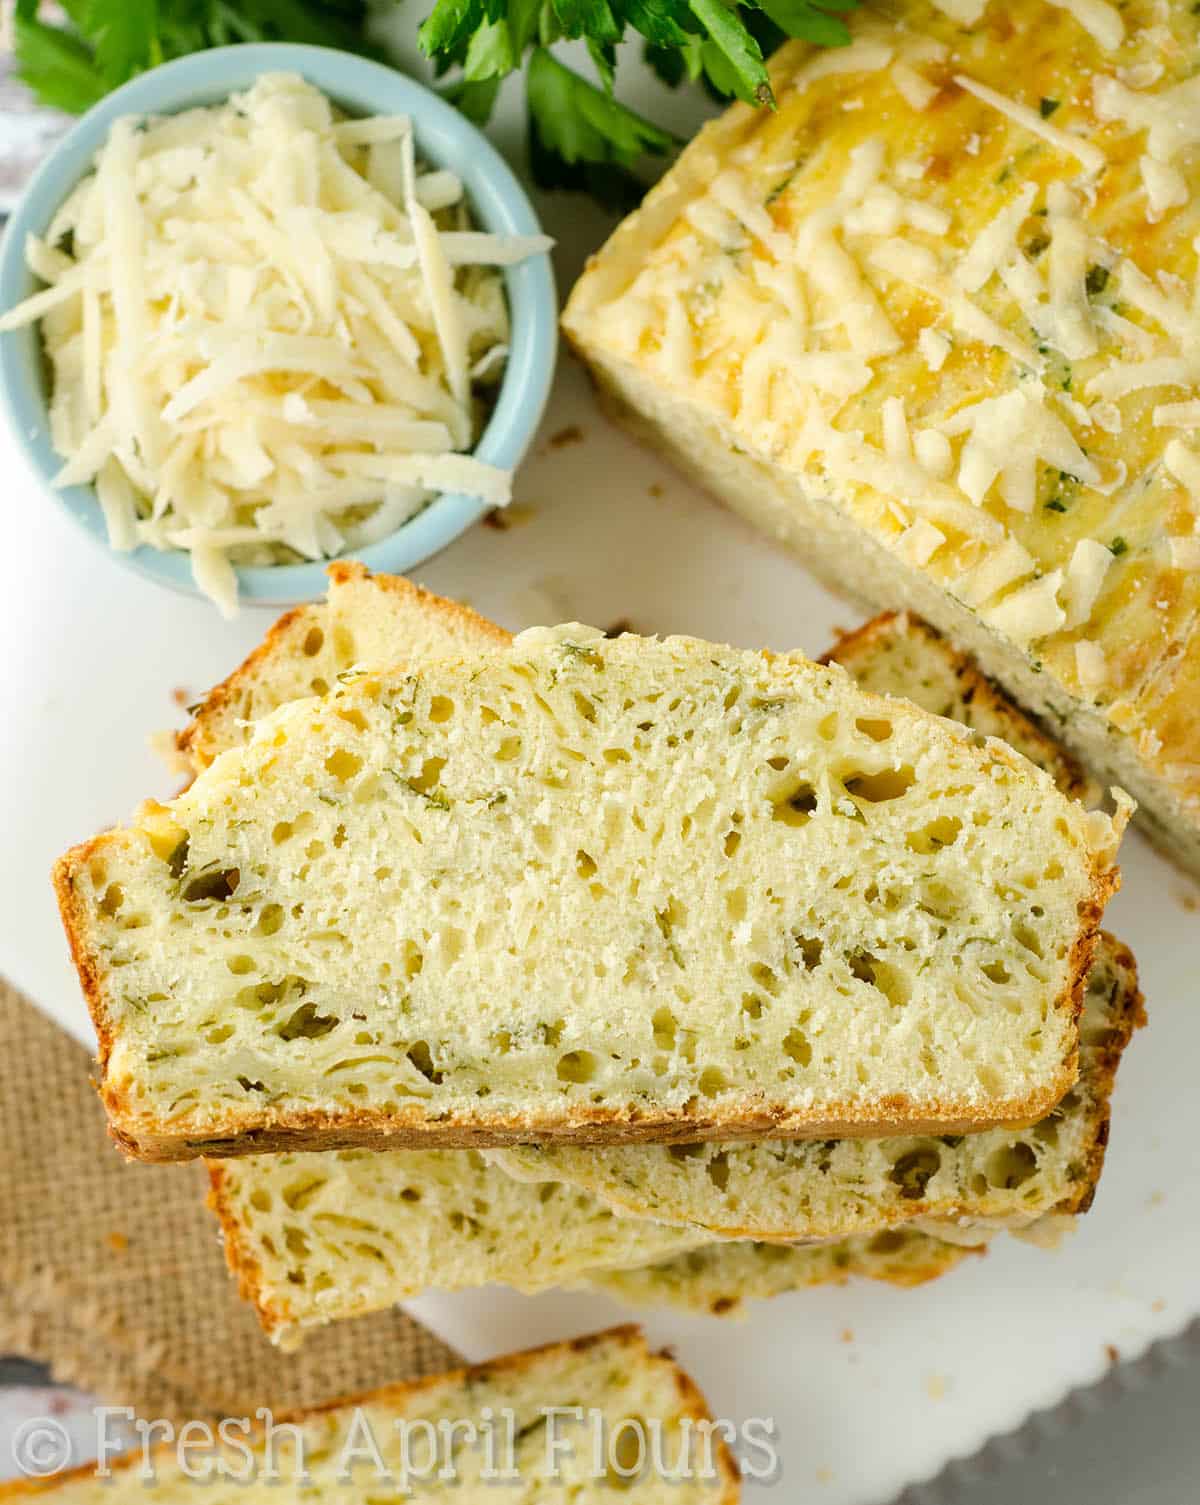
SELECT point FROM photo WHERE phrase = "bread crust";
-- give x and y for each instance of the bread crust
(629, 1335)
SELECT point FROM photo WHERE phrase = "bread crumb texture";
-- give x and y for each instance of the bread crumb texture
(623, 887)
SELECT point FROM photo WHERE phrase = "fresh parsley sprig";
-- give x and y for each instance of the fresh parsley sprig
(580, 135)
(106, 42)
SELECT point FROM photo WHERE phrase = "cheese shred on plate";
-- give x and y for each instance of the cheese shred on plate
(271, 332)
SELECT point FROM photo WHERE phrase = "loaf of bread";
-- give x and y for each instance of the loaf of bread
(455, 1437)
(582, 889)
(931, 324)
(315, 1238)
(718, 1279)
(302, 1258)
(958, 1186)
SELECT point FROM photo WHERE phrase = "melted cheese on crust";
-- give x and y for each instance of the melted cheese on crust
(1031, 294)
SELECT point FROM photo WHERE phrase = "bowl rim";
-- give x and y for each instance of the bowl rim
(444, 138)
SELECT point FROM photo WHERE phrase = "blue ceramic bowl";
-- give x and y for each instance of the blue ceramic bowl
(444, 139)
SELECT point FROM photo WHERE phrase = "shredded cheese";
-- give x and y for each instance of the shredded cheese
(1030, 612)
(1184, 553)
(1090, 665)
(1166, 187)
(267, 339)
(1184, 464)
(1085, 579)
(1089, 156)
(1099, 19)
(995, 243)
(1184, 415)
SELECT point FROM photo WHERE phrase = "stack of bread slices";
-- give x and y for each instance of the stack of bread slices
(686, 973)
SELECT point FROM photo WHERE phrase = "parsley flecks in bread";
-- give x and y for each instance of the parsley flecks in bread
(613, 1378)
(931, 323)
(592, 890)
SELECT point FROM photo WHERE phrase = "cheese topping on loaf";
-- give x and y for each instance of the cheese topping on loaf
(593, 890)
(967, 309)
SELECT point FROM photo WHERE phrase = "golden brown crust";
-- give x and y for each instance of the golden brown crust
(73, 920)
(692, 1404)
(581, 1125)
(190, 741)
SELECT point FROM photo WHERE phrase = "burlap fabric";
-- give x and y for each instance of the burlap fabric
(112, 1273)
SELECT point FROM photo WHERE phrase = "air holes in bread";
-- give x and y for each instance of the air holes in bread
(879, 788)
(796, 807)
(577, 1066)
(939, 833)
(1011, 1166)
(305, 1023)
(213, 886)
(913, 1172)
(343, 764)
(314, 641)
(877, 730)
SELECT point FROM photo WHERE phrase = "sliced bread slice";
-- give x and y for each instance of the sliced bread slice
(719, 1278)
(478, 904)
(455, 1437)
(314, 1238)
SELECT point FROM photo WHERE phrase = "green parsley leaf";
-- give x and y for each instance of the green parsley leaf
(475, 100)
(664, 25)
(810, 19)
(489, 53)
(742, 72)
(587, 18)
(450, 24)
(581, 138)
(57, 66)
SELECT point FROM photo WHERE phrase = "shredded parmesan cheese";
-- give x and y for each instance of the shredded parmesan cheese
(1090, 157)
(1085, 579)
(1184, 553)
(1030, 612)
(1090, 665)
(1184, 464)
(1099, 19)
(1184, 415)
(267, 339)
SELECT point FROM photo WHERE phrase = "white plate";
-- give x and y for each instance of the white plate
(870, 1389)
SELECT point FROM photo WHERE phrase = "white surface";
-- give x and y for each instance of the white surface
(93, 658)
